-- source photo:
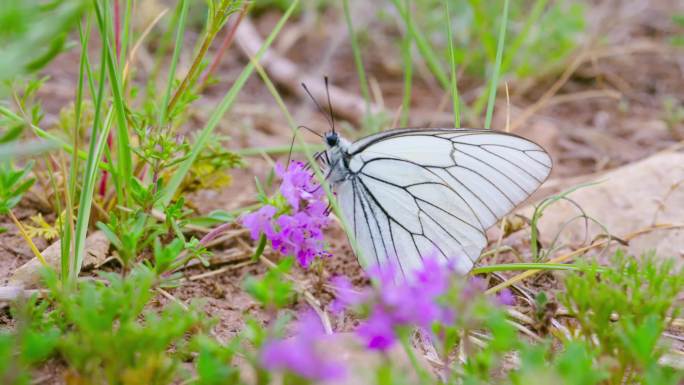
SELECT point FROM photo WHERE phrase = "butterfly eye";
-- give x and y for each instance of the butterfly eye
(332, 139)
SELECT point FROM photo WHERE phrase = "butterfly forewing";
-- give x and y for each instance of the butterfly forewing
(413, 193)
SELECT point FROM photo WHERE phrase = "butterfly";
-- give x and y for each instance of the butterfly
(410, 193)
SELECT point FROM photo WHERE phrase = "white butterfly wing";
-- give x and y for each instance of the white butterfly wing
(413, 193)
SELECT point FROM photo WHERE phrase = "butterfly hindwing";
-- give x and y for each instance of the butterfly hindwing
(412, 193)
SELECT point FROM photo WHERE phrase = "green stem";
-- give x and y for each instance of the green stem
(406, 45)
(206, 43)
(358, 61)
(182, 15)
(452, 63)
(50, 137)
(525, 266)
(497, 67)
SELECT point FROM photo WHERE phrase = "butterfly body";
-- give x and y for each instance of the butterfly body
(411, 193)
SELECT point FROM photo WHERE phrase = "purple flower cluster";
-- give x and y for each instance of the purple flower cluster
(398, 302)
(294, 224)
(404, 303)
(300, 354)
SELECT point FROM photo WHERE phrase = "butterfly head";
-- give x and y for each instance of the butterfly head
(332, 139)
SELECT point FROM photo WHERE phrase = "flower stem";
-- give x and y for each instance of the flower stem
(193, 70)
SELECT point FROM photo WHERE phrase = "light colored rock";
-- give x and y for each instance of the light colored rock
(625, 200)
(28, 275)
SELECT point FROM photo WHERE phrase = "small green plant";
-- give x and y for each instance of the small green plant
(14, 183)
(622, 312)
(33, 340)
(109, 337)
(273, 290)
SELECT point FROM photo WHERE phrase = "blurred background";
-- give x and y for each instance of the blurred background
(597, 83)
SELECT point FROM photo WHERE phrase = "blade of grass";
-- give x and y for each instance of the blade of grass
(86, 198)
(125, 35)
(452, 62)
(497, 67)
(51, 138)
(521, 37)
(227, 102)
(68, 227)
(90, 175)
(426, 51)
(525, 267)
(481, 26)
(276, 150)
(182, 16)
(67, 230)
(124, 161)
(358, 61)
(24, 149)
(407, 58)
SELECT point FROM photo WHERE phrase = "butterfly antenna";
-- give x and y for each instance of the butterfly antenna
(294, 136)
(310, 130)
(330, 108)
(320, 109)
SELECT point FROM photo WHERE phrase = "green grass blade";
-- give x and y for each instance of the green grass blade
(527, 266)
(67, 225)
(407, 58)
(494, 84)
(50, 137)
(227, 102)
(521, 37)
(452, 62)
(426, 51)
(97, 142)
(276, 150)
(358, 61)
(182, 16)
(124, 159)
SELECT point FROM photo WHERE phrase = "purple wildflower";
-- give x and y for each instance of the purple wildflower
(402, 303)
(346, 296)
(378, 330)
(298, 184)
(260, 221)
(300, 354)
(295, 228)
(505, 297)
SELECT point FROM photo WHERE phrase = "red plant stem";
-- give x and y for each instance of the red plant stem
(105, 174)
(227, 41)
